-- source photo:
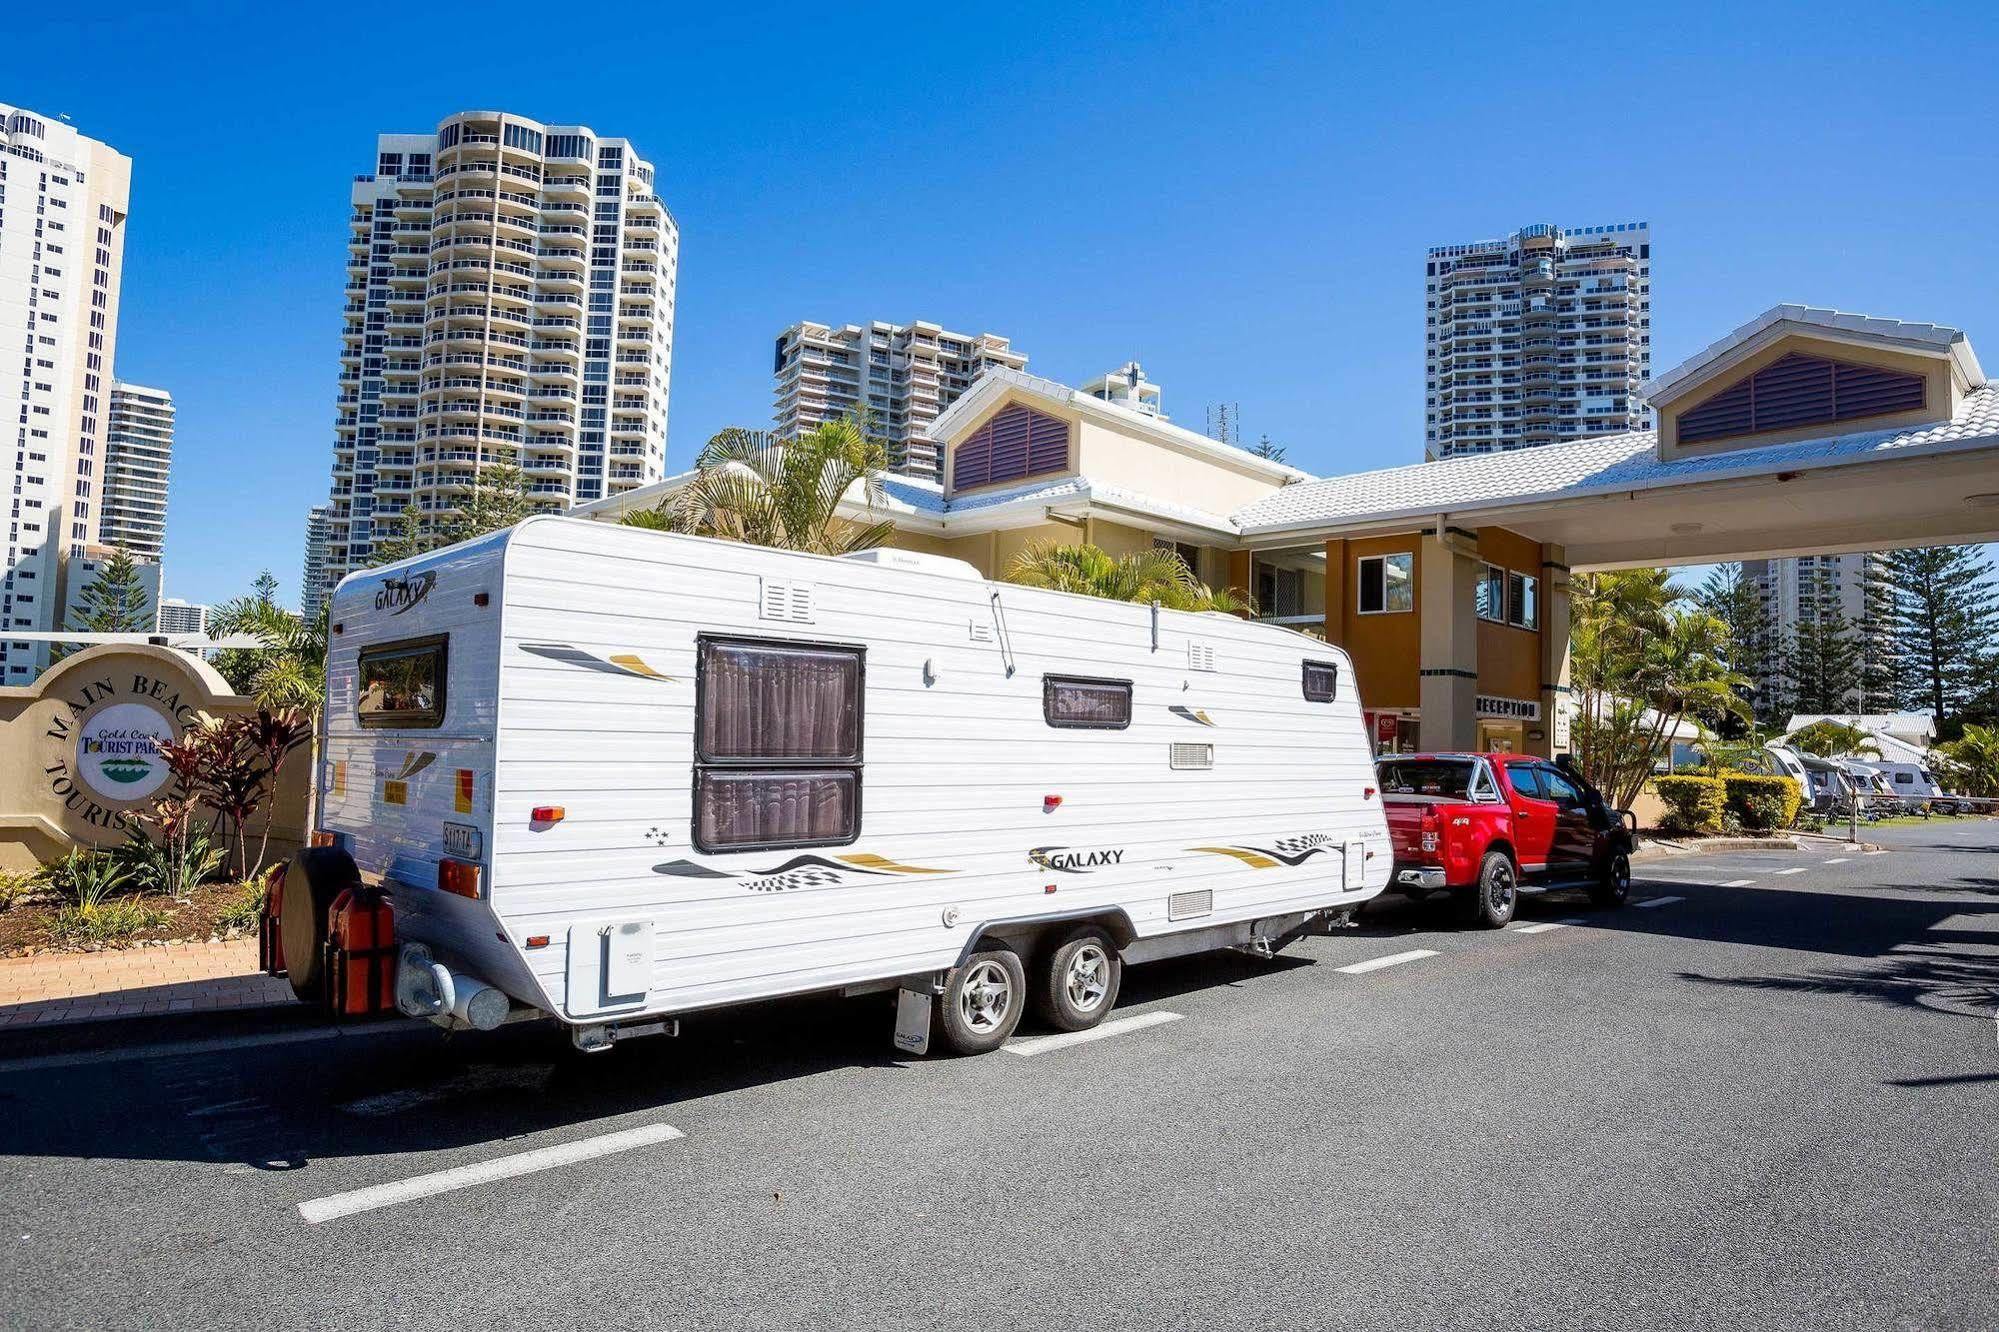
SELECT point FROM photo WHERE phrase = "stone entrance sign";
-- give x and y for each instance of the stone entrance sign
(79, 748)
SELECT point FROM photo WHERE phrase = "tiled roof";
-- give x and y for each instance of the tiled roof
(1931, 337)
(910, 495)
(1613, 463)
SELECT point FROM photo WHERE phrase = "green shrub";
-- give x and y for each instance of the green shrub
(106, 922)
(1693, 804)
(246, 908)
(87, 878)
(172, 868)
(1762, 803)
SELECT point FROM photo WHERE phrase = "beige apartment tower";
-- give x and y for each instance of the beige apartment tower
(63, 203)
(1540, 338)
(510, 295)
(138, 456)
(903, 375)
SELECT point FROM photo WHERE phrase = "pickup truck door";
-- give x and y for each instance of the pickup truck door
(1575, 839)
(1533, 817)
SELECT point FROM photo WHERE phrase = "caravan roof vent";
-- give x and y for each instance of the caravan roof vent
(915, 561)
(786, 600)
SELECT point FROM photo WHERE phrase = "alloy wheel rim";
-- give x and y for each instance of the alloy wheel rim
(1088, 978)
(985, 997)
(1500, 894)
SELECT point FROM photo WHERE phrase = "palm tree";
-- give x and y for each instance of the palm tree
(1830, 739)
(1154, 574)
(751, 486)
(1973, 760)
(289, 670)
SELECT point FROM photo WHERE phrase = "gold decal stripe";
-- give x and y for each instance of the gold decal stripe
(1249, 858)
(637, 666)
(874, 862)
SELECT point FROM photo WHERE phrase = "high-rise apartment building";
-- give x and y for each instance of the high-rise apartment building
(312, 579)
(182, 617)
(138, 452)
(510, 292)
(1540, 338)
(903, 375)
(63, 201)
(1804, 587)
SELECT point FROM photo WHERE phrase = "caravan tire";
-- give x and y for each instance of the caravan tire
(314, 877)
(982, 1001)
(1079, 981)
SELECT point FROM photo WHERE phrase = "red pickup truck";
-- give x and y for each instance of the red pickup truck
(1490, 827)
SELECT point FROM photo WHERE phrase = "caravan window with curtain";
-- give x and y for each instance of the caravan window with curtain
(777, 744)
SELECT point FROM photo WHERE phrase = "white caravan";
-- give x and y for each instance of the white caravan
(613, 775)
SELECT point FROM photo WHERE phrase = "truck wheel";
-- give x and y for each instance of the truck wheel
(1497, 892)
(1079, 981)
(982, 1001)
(313, 878)
(1613, 887)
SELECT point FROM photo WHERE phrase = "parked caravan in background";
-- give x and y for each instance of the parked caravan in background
(1911, 782)
(615, 776)
(1824, 784)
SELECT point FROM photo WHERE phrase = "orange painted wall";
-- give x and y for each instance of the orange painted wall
(1509, 659)
(1385, 648)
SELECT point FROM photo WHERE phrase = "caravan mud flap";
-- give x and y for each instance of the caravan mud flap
(912, 1020)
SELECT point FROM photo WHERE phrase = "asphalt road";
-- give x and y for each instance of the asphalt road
(1756, 1098)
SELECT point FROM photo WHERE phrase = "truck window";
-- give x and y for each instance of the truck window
(777, 744)
(1448, 778)
(1077, 703)
(1527, 780)
(1322, 680)
(401, 685)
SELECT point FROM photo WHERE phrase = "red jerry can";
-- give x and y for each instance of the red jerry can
(360, 953)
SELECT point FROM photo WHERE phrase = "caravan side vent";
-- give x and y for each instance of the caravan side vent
(1188, 754)
(1200, 656)
(786, 600)
(1184, 906)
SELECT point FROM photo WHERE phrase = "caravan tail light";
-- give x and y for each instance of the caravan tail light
(547, 814)
(1367, 793)
(458, 876)
(1050, 803)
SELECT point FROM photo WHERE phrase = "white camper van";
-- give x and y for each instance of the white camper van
(613, 775)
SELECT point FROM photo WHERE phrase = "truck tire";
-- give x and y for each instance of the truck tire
(1497, 892)
(313, 878)
(1613, 887)
(1078, 981)
(982, 1001)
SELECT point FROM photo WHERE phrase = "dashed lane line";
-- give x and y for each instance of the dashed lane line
(1542, 927)
(1658, 902)
(1392, 960)
(1795, 869)
(1738, 883)
(1839, 860)
(377, 1196)
(1038, 1045)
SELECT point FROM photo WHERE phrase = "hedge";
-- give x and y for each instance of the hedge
(1761, 803)
(1693, 804)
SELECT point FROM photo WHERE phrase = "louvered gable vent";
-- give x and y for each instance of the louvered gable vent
(1800, 390)
(1016, 443)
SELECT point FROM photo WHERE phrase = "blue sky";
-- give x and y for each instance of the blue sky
(1238, 196)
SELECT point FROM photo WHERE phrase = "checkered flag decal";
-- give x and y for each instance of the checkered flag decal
(798, 878)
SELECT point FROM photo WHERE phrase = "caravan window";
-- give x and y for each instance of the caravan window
(1084, 704)
(777, 734)
(1322, 680)
(401, 685)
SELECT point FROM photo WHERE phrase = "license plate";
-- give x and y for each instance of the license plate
(461, 841)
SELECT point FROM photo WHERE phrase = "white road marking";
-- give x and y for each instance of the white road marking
(1543, 927)
(464, 1177)
(1839, 860)
(1035, 1045)
(1738, 883)
(1392, 960)
(1659, 901)
(1877, 851)
(1795, 869)
(1985, 922)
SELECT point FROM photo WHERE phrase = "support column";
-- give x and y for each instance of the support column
(1240, 574)
(1555, 648)
(1446, 598)
(1335, 623)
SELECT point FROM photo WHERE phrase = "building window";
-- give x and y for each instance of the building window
(1523, 608)
(1387, 583)
(1017, 443)
(777, 757)
(1078, 703)
(1322, 680)
(1490, 594)
(401, 685)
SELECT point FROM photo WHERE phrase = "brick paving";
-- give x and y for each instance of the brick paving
(135, 982)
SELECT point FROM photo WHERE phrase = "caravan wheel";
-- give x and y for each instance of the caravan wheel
(982, 1001)
(1079, 982)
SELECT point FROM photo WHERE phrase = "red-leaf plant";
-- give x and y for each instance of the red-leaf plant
(231, 765)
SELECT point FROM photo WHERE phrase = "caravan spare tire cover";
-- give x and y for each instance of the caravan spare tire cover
(314, 877)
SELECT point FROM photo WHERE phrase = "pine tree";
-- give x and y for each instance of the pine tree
(499, 499)
(1946, 621)
(114, 601)
(1737, 601)
(1263, 448)
(1825, 652)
